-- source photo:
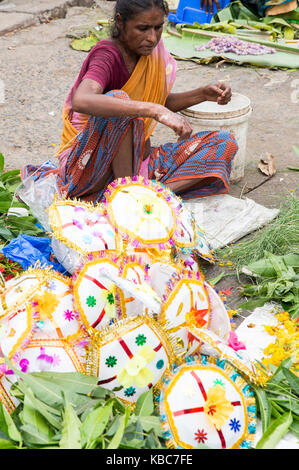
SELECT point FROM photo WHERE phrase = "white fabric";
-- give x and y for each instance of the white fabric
(226, 219)
(256, 339)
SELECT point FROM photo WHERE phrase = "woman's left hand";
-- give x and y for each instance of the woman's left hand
(219, 92)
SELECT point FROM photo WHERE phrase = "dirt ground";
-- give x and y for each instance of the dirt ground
(38, 67)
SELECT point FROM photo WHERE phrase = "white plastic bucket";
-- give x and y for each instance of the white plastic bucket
(232, 117)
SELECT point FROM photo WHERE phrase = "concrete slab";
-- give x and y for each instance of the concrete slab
(37, 8)
(23, 13)
(14, 21)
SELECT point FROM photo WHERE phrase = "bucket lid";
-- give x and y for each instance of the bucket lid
(237, 106)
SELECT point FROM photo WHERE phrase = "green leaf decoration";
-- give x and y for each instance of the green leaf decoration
(70, 433)
(10, 175)
(275, 432)
(8, 426)
(45, 410)
(89, 418)
(292, 379)
(71, 381)
(150, 423)
(46, 391)
(278, 375)
(94, 425)
(35, 427)
(264, 407)
(12, 226)
(294, 428)
(34, 437)
(5, 444)
(116, 440)
(144, 404)
(6, 233)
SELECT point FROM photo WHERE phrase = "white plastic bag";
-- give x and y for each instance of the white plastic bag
(226, 219)
(39, 195)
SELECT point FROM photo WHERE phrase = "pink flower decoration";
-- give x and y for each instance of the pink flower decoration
(234, 343)
(24, 364)
(78, 224)
(68, 315)
(56, 360)
(5, 370)
(188, 262)
(45, 357)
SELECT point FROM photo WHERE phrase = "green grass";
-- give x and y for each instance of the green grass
(279, 237)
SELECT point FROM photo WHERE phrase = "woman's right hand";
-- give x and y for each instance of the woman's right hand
(175, 121)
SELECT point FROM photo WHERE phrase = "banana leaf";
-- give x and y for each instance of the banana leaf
(184, 49)
(275, 432)
(264, 267)
(93, 35)
(84, 44)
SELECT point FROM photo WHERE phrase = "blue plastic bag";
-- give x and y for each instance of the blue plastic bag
(27, 250)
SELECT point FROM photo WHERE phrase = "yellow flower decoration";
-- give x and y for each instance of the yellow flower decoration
(217, 408)
(109, 298)
(140, 288)
(135, 370)
(149, 204)
(286, 341)
(46, 304)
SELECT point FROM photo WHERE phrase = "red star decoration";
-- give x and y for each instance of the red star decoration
(198, 316)
(90, 222)
(212, 410)
(200, 436)
(227, 291)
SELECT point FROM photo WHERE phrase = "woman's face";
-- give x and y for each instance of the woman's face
(142, 33)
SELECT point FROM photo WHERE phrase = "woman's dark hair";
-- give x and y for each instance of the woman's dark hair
(127, 9)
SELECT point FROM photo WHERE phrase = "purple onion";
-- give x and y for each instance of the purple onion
(236, 46)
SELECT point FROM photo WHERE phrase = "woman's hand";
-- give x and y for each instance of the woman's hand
(208, 5)
(175, 121)
(219, 92)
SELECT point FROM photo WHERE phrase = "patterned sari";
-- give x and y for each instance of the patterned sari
(87, 150)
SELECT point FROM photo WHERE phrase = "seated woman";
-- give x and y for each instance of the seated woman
(122, 91)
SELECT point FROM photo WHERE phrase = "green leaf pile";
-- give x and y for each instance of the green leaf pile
(12, 225)
(278, 405)
(279, 26)
(277, 280)
(70, 411)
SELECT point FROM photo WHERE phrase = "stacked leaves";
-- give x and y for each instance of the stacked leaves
(277, 280)
(70, 411)
(278, 405)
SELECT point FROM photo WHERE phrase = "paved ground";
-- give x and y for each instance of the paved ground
(38, 67)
